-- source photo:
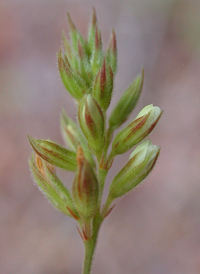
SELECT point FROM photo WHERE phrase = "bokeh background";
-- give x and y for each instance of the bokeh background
(156, 229)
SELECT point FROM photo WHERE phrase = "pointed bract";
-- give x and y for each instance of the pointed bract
(136, 131)
(75, 36)
(91, 120)
(72, 81)
(69, 131)
(140, 164)
(66, 46)
(91, 31)
(97, 53)
(85, 187)
(126, 103)
(103, 86)
(54, 153)
(47, 180)
(111, 55)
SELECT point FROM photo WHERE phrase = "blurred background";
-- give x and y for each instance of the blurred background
(156, 229)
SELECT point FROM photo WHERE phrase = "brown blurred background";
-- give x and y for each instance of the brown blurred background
(156, 229)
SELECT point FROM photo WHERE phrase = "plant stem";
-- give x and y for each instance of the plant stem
(109, 135)
(106, 206)
(89, 251)
(101, 177)
(90, 244)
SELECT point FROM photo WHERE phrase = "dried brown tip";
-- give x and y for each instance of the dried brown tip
(79, 232)
(113, 42)
(66, 44)
(81, 160)
(39, 164)
(94, 17)
(142, 73)
(80, 156)
(83, 235)
(108, 164)
(63, 63)
(72, 213)
(60, 59)
(97, 38)
(108, 212)
(103, 77)
(71, 24)
(102, 166)
(80, 49)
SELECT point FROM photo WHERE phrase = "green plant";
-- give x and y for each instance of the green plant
(88, 75)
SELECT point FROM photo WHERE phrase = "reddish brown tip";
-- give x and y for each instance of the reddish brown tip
(94, 18)
(80, 49)
(80, 156)
(85, 237)
(39, 164)
(103, 77)
(72, 213)
(97, 38)
(109, 211)
(71, 24)
(113, 42)
(80, 233)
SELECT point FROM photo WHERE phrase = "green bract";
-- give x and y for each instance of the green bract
(85, 187)
(52, 187)
(92, 122)
(111, 54)
(103, 86)
(126, 103)
(137, 130)
(73, 82)
(70, 131)
(141, 162)
(54, 153)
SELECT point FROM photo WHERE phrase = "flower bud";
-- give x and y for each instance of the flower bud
(103, 86)
(69, 131)
(72, 81)
(91, 120)
(85, 187)
(47, 180)
(136, 131)
(54, 153)
(111, 55)
(126, 103)
(140, 163)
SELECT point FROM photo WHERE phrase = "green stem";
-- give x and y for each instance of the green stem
(90, 244)
(109, 135)
(102, 177)
(107, 206)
